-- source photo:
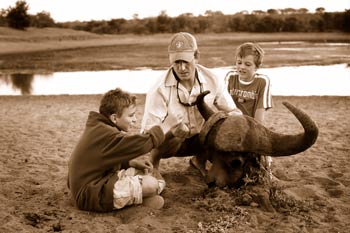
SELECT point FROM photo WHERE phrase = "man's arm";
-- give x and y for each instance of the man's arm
(155, 110)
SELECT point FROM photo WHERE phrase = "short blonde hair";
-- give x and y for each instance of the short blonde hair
(115, 101)
(250, 48)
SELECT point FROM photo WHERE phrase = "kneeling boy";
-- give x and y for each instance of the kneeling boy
(103, 172)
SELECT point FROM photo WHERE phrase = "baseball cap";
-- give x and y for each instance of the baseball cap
(182, 47)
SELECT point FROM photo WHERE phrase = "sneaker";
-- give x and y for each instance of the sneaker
(154, 202)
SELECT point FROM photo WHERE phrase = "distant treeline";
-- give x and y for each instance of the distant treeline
(285, 20)
(217, 22)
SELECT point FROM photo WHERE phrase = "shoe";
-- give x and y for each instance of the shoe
(154, 202)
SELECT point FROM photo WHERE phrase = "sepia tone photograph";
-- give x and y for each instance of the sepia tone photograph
(174, 116)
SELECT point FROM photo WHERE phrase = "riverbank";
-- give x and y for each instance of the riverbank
(53, 49)
(38, 133)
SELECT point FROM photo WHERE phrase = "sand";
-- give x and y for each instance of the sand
(311, 192)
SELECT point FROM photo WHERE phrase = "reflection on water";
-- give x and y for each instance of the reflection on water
(20, 82)
(298, 81)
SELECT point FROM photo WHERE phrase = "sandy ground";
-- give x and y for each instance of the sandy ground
(38, 133)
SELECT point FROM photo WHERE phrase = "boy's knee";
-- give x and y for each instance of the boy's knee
(149, 186)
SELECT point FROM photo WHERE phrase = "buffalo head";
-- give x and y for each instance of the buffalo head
(235, 142)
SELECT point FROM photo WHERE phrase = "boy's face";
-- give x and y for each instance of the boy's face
(246, 67)
(127, 119)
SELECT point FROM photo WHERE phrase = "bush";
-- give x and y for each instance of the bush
(18, 17)
(42, 19)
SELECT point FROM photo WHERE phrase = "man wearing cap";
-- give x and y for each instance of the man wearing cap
(173, 98)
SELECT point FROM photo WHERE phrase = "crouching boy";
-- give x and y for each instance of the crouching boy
(103, 172)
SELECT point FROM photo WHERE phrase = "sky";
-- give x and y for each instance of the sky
(85, 10)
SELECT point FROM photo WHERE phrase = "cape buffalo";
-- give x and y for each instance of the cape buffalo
(235, 143)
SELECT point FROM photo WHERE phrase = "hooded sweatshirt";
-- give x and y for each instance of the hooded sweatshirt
(101, 151)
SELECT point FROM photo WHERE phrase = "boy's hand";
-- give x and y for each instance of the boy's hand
(144, 165)
(170, 121)
(173, 122)
(181, 130)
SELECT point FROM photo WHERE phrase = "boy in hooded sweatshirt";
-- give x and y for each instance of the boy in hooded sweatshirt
(103, 172)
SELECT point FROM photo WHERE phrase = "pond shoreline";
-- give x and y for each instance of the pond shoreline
(57, 50)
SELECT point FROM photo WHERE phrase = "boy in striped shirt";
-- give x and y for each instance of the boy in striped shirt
(250, 91)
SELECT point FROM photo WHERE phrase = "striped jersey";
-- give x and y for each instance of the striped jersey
(249, 96)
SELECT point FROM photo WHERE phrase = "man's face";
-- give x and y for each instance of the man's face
(185, 70)
(127, 119)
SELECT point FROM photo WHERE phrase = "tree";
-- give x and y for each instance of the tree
(116, 25)
(3, 20)
(258, 12)
(235, 23)
(268, 24)
(291, 24)
(272, 12)
(202, 24)
(18, 17)
(42, 19)
(163, 22)
(248, 23)
(288, 11)
(346, 21)
(181, 23)
(320, 10)
(302, 11)
(211, 13)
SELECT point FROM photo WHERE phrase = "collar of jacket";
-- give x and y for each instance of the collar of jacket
(95, 116)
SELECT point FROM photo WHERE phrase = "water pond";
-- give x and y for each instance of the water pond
(331, 80)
